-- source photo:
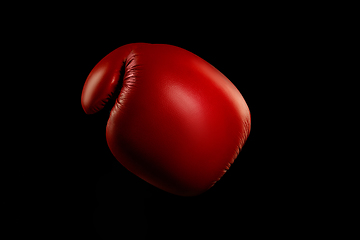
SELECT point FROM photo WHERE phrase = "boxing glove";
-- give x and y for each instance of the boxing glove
(177, 122)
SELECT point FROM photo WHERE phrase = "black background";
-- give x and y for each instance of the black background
(268, 191)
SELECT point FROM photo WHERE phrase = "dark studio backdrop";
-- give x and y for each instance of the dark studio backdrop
(260, 195)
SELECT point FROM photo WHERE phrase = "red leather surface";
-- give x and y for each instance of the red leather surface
(178, 123)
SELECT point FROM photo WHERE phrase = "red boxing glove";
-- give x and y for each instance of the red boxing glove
(178, 123)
